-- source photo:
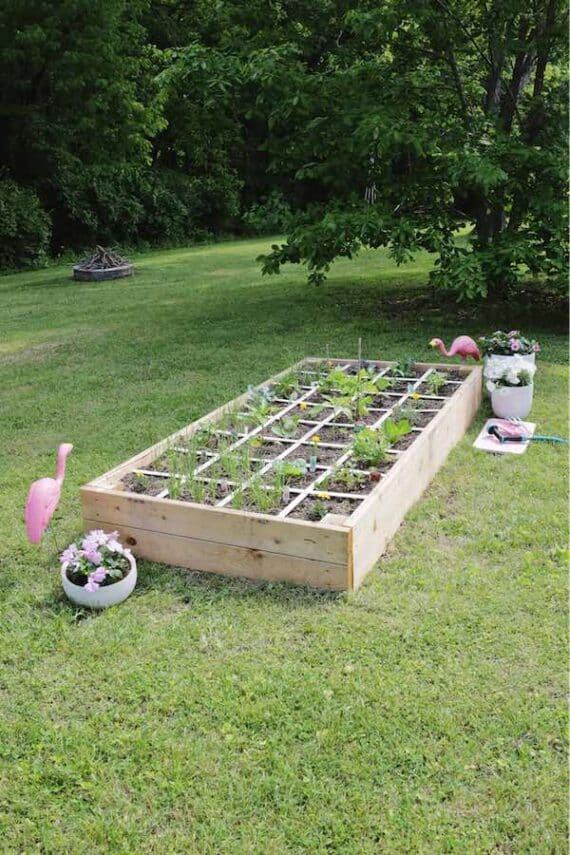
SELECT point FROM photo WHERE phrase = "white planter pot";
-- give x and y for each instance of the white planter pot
(512, 402)
(108, 595)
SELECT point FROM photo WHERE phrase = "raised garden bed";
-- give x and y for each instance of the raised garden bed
(272, 487)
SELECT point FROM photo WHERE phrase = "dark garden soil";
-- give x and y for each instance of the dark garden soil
(400, 385)
(323, 454)
(299, 482)
(445, 391)
(429, 404)
(334, 433)
(405, 441)
(267, 450)
(382, 402)
(370, 418)
(362, 489)
(147, 485)
(309, 412)
(308, 508)
(422, 419)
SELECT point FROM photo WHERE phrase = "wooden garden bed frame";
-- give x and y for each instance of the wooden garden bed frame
(335, 553)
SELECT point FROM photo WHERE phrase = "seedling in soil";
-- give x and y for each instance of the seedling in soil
(404, 368)
(266, 498)
(259, 409)
(393, 431)
(435, 382)
(353, 409)
(175, 461)
(174, 487)
(236, 464)
(286, 427)
(408, 411)
(196, 488)
(345, 477)
(317, 510)
(141, 482)
(290, 468)
(288, 387)
(369, 447)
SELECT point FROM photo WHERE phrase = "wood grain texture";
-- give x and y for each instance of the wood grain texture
(229, 560)
(295, 538)
(379, 517)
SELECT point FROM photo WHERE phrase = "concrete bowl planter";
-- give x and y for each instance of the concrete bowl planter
(105, 596)
(81, 274)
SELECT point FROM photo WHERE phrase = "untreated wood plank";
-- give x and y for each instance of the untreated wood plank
(378, 518)
(295, 538)
(213, 557)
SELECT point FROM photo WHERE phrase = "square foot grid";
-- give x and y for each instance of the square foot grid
(288, 426)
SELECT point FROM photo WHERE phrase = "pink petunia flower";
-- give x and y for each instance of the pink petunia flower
(98, 575)
(515, 344)
(96, 537)
(69, 555)
(536, 347)
(93, 555)
(91, 585)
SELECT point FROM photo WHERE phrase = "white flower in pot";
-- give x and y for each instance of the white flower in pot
(98, 571)
(511, 386)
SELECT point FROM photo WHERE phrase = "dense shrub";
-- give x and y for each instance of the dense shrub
(130, 206)
(25, 229)
(272, 215)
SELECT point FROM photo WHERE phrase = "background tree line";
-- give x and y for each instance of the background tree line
(344, 123)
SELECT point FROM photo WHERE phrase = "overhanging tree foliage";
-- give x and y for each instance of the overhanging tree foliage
(422, 116)
(379, 124)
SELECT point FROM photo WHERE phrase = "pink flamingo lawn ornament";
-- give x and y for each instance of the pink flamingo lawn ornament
(43, 497)
(462, 346)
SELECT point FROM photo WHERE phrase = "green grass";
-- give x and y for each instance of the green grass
(424, 714)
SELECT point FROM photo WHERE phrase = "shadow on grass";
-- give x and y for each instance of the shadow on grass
(190, 585)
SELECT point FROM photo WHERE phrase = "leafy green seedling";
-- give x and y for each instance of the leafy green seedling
(408, 411)
(317, 510)
(369, 447)
(286, 427)
(435, 382)
(405, 367)
(290, 468)
(393, 431)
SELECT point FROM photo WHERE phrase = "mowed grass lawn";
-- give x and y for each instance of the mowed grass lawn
(424, 714)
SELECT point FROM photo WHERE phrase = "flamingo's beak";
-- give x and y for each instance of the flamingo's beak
(433, 342)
